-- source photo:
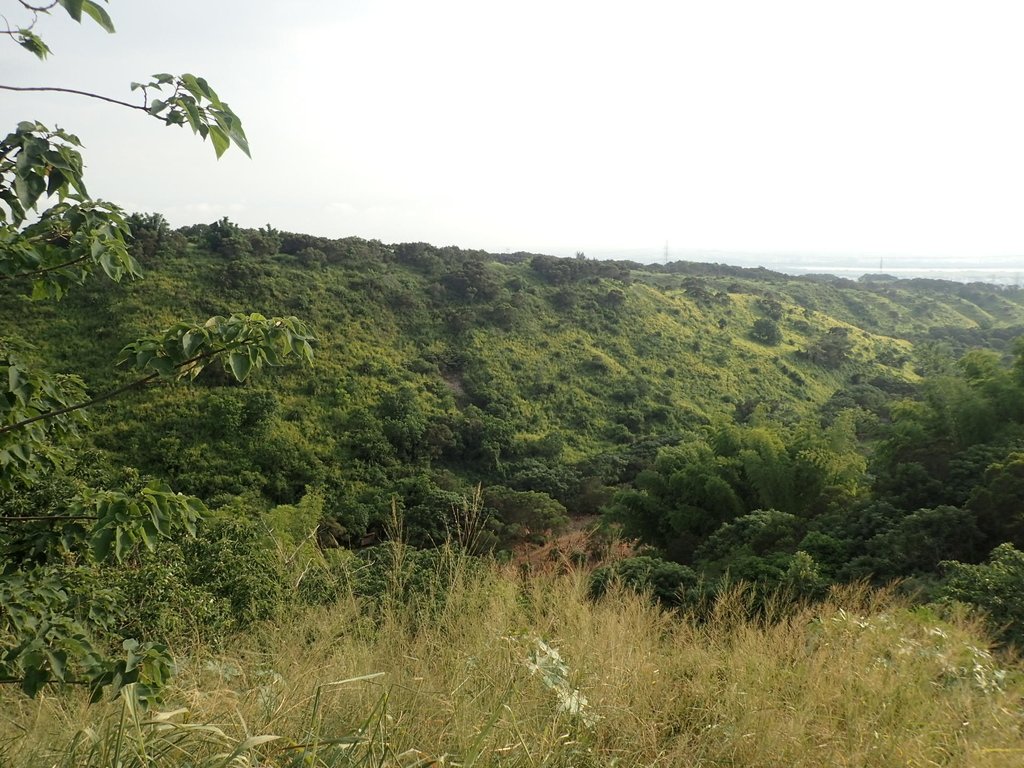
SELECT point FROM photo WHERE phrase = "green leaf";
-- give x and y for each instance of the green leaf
(15, 379)
(101, 543)
(240, 365)
(229, 122)
(58, 663)
(73, 7)
(162, 365)
(55, 182)
(191, 341)
(98, 14)
(21, 189)
(220, 140)
(32, 42)
(33, 681)
(121, 543)
(192, 111)
(197, 86)
(150, 535)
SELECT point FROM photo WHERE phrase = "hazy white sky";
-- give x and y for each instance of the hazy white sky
(864, 126)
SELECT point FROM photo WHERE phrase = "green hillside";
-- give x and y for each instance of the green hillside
(439, 368)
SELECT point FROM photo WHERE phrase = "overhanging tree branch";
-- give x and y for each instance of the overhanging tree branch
(54, 89)
(37, 272)
(78, 406)
(37, 162)
(38, 8)
(37, 518)
(106, 395)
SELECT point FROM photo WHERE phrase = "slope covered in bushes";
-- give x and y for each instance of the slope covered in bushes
(439, 368)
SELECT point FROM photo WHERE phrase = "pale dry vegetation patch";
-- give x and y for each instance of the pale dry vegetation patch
(500, 668)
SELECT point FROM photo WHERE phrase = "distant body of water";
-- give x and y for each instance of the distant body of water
(1009, 271)
(1000, 270)
(1014, 277)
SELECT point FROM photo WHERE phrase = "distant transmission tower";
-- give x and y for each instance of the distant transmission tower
(664, 255)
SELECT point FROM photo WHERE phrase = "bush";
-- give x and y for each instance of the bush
(995, 587)
(233, 561)
(766, 331)
(525, 515)
(223, 580)
(416, 582)
(671, 583)
(156, 598)
(756, 546)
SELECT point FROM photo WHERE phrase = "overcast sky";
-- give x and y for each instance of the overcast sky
(553, 125)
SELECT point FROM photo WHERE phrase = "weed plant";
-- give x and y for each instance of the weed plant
(494, 667)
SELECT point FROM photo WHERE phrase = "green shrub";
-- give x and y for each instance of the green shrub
(995, 587)
(156, 598)
(766, 331)
(671, 583)
(416, 581)
(524, 515)
(233, 560)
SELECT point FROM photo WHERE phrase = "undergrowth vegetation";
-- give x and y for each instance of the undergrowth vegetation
(484, 665)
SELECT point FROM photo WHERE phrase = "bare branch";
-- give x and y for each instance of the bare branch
(38, 272)
(106, 395)
(12, 31)
(54, 89)
(79, 406)
(33, 518)
(38, 8)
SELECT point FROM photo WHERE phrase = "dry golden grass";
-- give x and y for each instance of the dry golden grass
(862, 680)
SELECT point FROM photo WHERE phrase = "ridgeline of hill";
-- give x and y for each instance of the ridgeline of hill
(440, 368)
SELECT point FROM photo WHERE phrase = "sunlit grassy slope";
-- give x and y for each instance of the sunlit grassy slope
(599, 358)
(495, 668)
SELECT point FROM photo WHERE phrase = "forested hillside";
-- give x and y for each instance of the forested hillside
(698, 405)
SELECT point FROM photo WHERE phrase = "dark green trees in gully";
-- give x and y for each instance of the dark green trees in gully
(53, 237)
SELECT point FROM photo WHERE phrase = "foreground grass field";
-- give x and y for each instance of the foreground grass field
(496, 668)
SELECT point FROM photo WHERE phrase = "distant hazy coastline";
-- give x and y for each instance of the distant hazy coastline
(991, 275)
(1005, 270)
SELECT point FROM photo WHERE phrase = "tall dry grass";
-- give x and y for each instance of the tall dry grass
(502, 669)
